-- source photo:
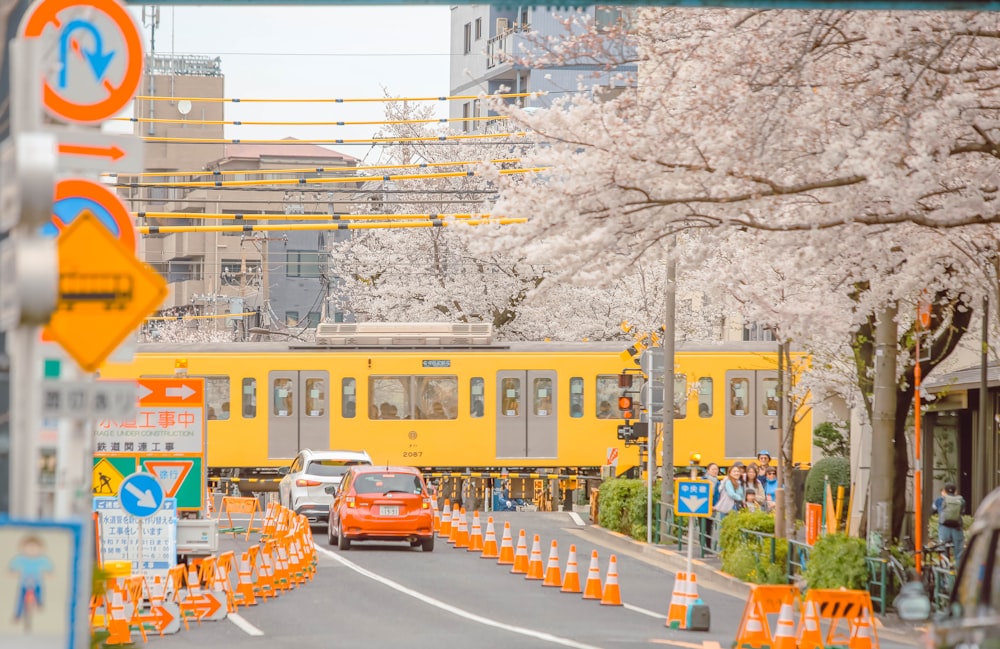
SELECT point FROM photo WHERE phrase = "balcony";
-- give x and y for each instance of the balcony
(503, 46)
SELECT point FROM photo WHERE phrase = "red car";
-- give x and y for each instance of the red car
(375, 503)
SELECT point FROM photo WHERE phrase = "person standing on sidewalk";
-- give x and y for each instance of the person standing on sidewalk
(949, 507)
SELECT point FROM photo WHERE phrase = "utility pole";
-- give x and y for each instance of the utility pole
(883, 421)
(669, 306)
(779, 493)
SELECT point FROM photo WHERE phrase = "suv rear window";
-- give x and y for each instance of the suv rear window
(380, 483)
(329, 468)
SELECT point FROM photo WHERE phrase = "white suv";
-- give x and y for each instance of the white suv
(302, 489)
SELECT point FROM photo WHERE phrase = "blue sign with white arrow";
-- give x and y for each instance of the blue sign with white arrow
(141, 494)
(692, 497)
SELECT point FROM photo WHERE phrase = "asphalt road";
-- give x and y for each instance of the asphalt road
(386, 595)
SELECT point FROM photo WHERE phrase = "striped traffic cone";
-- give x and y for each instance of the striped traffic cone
(552, 575)
(506, 547)
(784, 635)
(677, 613)
(453, 533)
(571, 584)
(445, 529)
(521, 557)
(476, 537)
(436, 514)
(612, 595)
(592, 590)
(535, 570)
(490, 543)
(462, 536)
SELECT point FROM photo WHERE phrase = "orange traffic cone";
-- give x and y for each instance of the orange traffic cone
(810, 636)
(535, 569)
(677, 614)
(436, 514)
(612, 596)
(784, 635)
(754, 634)
(552, 575)
(506, 557)
(445, 530)
(490, 544)
(462, 536)
(521, 557)
(592, 590)
(571, 584)
(861, 632)
(476, 537)
(453, 533)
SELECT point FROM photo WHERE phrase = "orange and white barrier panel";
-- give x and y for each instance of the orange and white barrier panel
(754, 631)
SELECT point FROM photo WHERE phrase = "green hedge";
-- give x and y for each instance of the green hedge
(837, 561)
(748, 557)
(839, 471)
(623, 506)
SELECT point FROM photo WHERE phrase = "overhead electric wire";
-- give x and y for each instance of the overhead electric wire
(375, 140)
(200, 317)
(308, 217)
(324, 181)
(243, 122)
(318, 227)
(305, 170)
(334, 100)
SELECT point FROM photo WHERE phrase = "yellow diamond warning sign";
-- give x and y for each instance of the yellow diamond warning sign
(107, 479)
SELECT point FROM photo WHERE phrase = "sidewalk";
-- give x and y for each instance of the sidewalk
(711, 576)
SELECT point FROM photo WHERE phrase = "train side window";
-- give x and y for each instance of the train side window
(249, 398)
(437, 397)
(348, 398)
(769, 405)
(739, 390)
(542, 397)
(680, 396)
(315, 397)
(477, 397)
(705, 397)
(576, 397)
(217, 397)
(608, 392)
(511, 390)
(390, 395)
(284, 398)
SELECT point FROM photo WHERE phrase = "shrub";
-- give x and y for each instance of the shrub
(837, 561)
(623, 506)
(748, 557)
(838, 469)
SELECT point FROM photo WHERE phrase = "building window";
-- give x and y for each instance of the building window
(249, 398)
(753, 331)
(477, 396)
(348, 398)
(606, 18)
(292, 318)
(468, 38)
(184, 269)
(479, 28)
(302, 263)
(313, 319)
(466, 114)
(576, 397)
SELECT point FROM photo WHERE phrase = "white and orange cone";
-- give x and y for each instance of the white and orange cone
(445, 528)
(490, 543)
(571, 583)
(592, 590)
(677, 613)
(535, 569)
(462, 536)
(506, 557)
(553, 577)
(784, 635)
(521, 556)
(612, 595)
(476, 536)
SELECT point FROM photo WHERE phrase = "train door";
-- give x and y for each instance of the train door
(298, 414)
(751, 411)
(526, 414)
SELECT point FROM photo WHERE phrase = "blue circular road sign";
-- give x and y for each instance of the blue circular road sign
(141, 494)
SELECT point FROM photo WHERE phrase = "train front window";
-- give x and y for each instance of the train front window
(607, 396)
(511, 390)
(284, 398)
(477, 397)
(315, 397)
(576, 397)
(541, 391)
(348, 398)
(249, 398)
(217, 397)
(705, 397)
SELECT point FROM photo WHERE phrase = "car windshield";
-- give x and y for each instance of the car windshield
(330, 468)
(380, 483)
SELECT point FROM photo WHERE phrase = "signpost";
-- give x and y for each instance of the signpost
(152, 551)
(141, 495)
(88, 399)
(692, 499)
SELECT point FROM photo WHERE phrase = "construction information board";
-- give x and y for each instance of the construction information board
(120, 537)
(165, 437)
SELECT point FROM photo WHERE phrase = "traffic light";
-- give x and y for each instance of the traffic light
(625, 405)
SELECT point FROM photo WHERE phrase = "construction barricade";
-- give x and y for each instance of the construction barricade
(233, 505)
(763, 605)
(847, 615)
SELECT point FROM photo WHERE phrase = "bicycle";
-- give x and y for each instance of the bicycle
(938, 571)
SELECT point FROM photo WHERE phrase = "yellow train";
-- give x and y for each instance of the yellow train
(447, 398)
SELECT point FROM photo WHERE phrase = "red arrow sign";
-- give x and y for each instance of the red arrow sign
(112, 151)
(172, 392)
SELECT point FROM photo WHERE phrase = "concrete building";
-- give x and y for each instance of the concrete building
(282, 277)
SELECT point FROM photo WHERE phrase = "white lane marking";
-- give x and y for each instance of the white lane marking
(247, 628)
(707, 644)
(576, 519)
(645, 611)
(531, 633)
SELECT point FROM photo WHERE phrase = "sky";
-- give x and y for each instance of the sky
(312, 52)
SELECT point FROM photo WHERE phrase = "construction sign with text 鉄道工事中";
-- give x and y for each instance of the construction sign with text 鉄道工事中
(166, 437)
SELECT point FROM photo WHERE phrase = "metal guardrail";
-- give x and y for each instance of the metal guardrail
(766, 541)
(878, 582)
(674, 530)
